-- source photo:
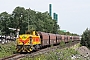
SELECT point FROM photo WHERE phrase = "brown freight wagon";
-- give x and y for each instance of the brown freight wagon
(78, 38)
(52, 38)
(58, 38)
(63, 37)
(66, 38)
(71, 38)
(44, 38)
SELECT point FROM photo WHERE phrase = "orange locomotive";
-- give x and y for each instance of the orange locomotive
(28, 42)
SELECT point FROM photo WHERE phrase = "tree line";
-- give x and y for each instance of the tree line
(27, 19)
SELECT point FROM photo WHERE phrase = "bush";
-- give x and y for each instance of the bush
(70, 41)
(7, 49)
(62, 43)
(85, 40)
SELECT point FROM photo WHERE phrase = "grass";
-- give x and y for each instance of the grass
(58, 54)
(7, 49)
(76, 46)
(62, 44)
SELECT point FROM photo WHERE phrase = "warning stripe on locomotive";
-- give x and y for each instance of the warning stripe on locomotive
(24, 41)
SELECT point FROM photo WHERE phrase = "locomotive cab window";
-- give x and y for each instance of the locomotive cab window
(36, 33)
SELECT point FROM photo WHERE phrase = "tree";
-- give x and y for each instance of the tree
(25, 19)
(85, 40)
(4, 22)
(18, 18)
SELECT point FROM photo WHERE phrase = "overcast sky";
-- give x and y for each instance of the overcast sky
(73, 15)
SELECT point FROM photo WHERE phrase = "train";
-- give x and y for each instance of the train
(35, 40)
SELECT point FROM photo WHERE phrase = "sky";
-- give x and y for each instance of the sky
(73, 15)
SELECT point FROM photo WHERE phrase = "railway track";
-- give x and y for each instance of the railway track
(14, 57)
(42, 51)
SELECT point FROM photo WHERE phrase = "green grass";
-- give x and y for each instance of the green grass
(63, 54)
(62, 44)
(76, 46)
(7, 49)
(58, 54)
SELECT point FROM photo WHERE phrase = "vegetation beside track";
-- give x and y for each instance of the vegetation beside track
(58, 54)
(7, 49)
(71, 53)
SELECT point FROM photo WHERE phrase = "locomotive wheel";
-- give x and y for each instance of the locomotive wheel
(37, 47)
